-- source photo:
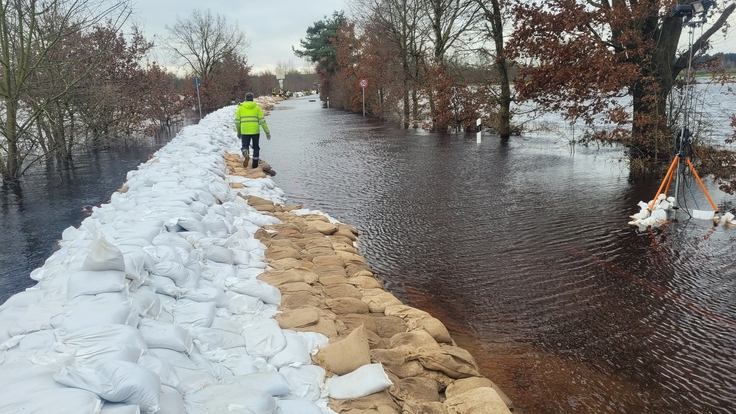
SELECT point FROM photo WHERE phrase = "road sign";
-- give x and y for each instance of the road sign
(197, 81)
(363, 82)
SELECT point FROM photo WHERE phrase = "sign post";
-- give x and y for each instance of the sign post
(477, 131)
(197, 82)
(363, 84)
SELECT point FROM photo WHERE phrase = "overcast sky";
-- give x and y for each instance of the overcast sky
(273, 27)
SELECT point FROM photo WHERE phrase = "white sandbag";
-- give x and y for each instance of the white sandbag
(93, 335)
(83, 316)
(101, 254)
(221, 190)
(37, 340)
(164, 335)
(208, 338)
(163, 285)
(165, 371)
(182, 277)
(198, 207)
(236, 360)
(264, 338)
(229, 398)
(297, 407)
(218, 254)
(172, 240)
(365, 380)
(171, 401)
(240, 256)
(136, 261)
(215, 226)
(56, 400)
(146, 302)
(107, 351)
(314, 341)
(306, 381)
(256, 288)
(192, 314)
(115, 381)
(205, 365)
(175, 358)
(206, 294)
(118, 408)
(295, 353)
(193, 380)
(226, 324)
(189, 223)
(33, 318)
(94, 282)
(244, 304)
(270, 382)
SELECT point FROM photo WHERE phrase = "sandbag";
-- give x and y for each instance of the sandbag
(208, 338)
(101, 255)
(118, 408)
(165, 371)
(218, 399)
(297, 407)
(87, 282)
(115, 381)
(264, 338)
(483, 400)
(295, 353)
(270, 382)
(365, 380)
(171, 401)
(347, 355)
(191, 314)
(164, 335)
(306, 381)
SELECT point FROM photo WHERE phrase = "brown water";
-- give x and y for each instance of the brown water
(524, 252)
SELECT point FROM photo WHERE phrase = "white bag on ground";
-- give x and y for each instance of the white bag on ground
(88, 282)
(164, 335)
(115, 381)
(101, 255)
(264, 338)
(270, 382)
(171, 401)
(165, 371)
(306, 381)
(297, 407)
(295, 353)
(365, 380)
(229, 399)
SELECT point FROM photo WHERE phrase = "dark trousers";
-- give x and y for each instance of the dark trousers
(251, 140)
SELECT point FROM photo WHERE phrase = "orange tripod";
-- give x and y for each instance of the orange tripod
(674, 167)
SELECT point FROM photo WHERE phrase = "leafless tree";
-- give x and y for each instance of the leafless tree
(202, 40)
(29, 31)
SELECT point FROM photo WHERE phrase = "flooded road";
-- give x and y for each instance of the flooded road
(521, 249)
(524, 251)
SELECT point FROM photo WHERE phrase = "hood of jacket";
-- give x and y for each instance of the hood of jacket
(249, 105)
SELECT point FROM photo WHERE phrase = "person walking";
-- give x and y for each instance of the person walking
(249, 120)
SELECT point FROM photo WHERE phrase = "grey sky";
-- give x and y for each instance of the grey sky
(273, 27)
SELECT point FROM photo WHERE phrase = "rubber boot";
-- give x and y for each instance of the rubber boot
(246, 158)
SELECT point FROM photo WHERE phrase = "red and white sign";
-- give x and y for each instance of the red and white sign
(363, 82)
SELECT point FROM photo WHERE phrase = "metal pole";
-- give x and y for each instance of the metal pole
(363, 101)
(200, 103)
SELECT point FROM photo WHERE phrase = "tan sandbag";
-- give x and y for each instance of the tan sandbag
(355, 269)
(415, 388)
(464, 385)
(483, 400)
(365, 282)
(328, 260)
(319, 243)
(280, 277)
(423, 407)
(285, 243)
(378, 299)
(278, 252)
(354, 320)
(315, 218)
(300, 300)
(300, 318)
(343, 290)
(347, 305)
(333, 280)
(398, 362)
(322, 251)
(342, 231)
(345, 247)
(332, 270)
(377, 403)
(295, 287)
(325, 326)
(346, 355)
(453, 361)
(413, 340)
(434, 327)
(324, 228)
(350, 257)
(406, 312)
(388, 326)
(290, 263)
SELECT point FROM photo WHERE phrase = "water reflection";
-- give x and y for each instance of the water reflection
(524, 252)
(55, 195)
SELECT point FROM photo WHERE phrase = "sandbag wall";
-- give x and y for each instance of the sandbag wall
(153, 303)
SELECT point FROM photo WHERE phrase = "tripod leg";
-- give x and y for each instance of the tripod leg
(667, 180)
(695, 173)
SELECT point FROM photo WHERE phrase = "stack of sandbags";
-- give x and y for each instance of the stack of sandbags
(391, 358)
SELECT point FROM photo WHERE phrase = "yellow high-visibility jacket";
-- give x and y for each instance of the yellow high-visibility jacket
(248, 119)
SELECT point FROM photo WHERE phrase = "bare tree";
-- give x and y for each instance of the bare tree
(203, 40)
(29, 31)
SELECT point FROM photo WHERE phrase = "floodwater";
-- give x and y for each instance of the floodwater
(522, 249)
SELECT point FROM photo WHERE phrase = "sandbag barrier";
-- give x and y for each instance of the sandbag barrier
(327, 287)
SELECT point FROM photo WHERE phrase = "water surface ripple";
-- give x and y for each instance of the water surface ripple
(523, 250)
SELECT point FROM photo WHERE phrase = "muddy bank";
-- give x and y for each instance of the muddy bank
(327, 287)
